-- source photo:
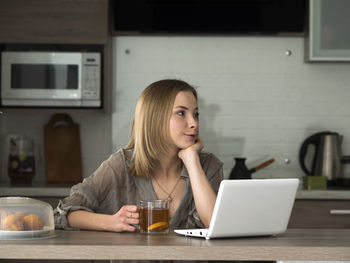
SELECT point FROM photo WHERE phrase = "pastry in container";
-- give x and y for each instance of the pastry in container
(22, 217)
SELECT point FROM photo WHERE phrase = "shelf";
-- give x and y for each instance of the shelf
(35, 190)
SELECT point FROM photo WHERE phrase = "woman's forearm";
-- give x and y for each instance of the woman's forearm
(203, 193)
(124, 220)
(88, 220)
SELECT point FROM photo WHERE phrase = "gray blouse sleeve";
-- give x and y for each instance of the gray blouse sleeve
(89, 194)
(81, 197)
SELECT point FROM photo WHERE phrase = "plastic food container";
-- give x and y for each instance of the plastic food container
(22, 217)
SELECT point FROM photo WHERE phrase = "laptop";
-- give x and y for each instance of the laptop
(252, 207)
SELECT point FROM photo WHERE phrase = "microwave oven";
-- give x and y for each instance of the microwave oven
(51, 79)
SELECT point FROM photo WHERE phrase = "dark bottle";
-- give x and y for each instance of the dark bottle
(240, 170)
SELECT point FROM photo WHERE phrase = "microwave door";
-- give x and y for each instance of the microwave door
(38, 83)
(49, 84)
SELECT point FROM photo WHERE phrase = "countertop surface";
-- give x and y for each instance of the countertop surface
(294, 244)
(324, 194)
(47, 190)
(35, 190)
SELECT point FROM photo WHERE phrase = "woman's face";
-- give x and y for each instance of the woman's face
(184, 120)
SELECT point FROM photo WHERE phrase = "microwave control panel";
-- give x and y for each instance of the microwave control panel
(91, 74)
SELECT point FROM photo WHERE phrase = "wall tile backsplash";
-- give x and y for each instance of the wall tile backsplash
(254, 100)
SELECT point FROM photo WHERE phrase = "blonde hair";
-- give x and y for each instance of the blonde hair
(150, 129)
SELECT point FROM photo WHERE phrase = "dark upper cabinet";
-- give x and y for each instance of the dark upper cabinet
(209, 16)
(54, 21)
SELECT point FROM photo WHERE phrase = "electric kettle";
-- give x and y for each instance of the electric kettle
(327, 159)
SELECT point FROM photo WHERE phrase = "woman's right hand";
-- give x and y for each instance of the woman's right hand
(125, 218)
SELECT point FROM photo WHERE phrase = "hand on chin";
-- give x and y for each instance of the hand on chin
(192, 150)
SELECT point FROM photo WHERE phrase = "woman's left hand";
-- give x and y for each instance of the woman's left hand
(191, 152)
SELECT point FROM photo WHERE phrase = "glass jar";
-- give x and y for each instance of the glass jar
(21, 163)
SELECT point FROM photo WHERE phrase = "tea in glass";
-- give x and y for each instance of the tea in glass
(154, 217)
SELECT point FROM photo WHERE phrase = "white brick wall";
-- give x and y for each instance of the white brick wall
(254, 101)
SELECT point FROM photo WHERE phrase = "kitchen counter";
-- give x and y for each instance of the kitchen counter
(46, 190)
(35, 190)
(324, 194)
(294, 244)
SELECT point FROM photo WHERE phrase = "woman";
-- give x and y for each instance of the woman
(163, 160)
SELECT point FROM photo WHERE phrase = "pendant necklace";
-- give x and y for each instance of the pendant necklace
(169, 194)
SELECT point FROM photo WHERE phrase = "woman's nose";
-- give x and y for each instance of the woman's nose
(193, 123)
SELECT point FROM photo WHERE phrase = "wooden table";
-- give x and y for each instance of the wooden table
(295, 244)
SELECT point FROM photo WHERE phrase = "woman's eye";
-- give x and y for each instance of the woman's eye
(196, 115)
(181, 113)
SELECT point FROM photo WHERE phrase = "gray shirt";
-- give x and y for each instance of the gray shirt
(110, 187)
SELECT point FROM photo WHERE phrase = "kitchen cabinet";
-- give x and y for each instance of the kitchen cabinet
(328, 37)
(54, 21)
(59, 25)
(320, 214)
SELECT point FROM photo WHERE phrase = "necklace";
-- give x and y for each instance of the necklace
(169, 194)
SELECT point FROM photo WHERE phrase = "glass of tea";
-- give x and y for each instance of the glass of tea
(154, 216)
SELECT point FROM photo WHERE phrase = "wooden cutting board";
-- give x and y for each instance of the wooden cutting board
(62, 150)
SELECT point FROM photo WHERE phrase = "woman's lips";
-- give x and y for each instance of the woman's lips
(192, 136)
